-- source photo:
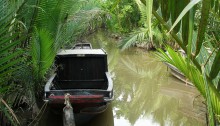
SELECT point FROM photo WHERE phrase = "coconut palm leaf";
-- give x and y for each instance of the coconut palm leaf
(49, 34)
(9, 40)
(191, 66)
(140, 34)
(43, 53)
(10, 53)
(54, 15)
(193, 74)
(146, 13)
(185, 10)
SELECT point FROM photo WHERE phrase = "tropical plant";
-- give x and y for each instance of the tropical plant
(31, 33)
(12, 35)
(194, 45)
(123, 16)
(10, 55)
(48, 32)
(144, 34)
(43, 53)
(56, 24)
(142, 89)
(178, 19)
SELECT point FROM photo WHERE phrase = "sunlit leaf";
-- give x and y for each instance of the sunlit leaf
(185, 10)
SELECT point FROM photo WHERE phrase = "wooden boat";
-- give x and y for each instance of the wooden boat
(83, 73)
(176, 73)
(179, 75)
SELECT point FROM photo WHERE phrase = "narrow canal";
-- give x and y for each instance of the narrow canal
(145, 94)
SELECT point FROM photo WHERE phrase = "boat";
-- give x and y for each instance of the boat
(176, 73)
(82, 73)
(179, 75)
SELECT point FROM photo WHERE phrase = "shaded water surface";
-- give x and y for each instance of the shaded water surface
(145, 93)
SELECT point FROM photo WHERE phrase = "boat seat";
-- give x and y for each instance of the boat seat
(82, 84)
(87, 72)
(80, 80)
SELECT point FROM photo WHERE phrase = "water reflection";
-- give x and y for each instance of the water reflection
(52, 118)
(145, 93)
(103, 119)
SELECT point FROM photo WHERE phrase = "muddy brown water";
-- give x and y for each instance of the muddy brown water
(145, 94)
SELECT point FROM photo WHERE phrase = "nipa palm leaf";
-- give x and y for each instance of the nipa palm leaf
(10, 56)
(135, 37)
(194, 75)
(43, 53)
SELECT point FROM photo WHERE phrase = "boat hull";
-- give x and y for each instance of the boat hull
(90, 104)
(84, 108)
(179, 75)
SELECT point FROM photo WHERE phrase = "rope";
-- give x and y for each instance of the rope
(67, 101)
(69, 120)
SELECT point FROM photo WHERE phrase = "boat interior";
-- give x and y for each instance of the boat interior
(81, 73)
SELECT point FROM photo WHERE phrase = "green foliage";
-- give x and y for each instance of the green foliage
(202, 25)
(215, 66)
(141, 36)
(58, 23)
(31, 33)
(42, 52)
(148, 34)
(185, 10)
(146, 14)
(194, 75)
(10, 55)
(12, 35)
(52, 16)
(135, 37)
(123, 16)
(174, 8)
(200, 73)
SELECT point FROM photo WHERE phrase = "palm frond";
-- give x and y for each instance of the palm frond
(142, 9)
(136, 36)
(10, 56)
(185, 10)
(141, 36)
(194, 75)
(83, 22)
(146, 14)
(42, 52)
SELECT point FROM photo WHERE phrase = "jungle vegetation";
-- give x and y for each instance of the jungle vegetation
(32, 31)
(190, 25)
